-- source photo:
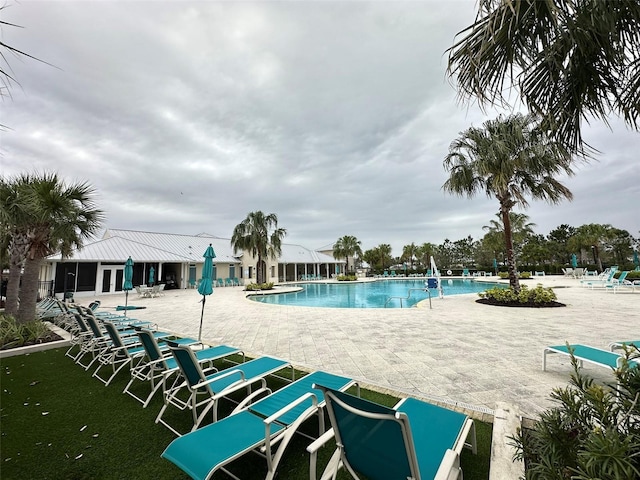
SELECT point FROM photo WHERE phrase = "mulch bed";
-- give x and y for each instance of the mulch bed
(489, 301)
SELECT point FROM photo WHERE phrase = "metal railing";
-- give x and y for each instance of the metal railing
(409, 296)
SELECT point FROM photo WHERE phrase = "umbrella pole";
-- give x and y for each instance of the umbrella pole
(204, 299)
(126, 301)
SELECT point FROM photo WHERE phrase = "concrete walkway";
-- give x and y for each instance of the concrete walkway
(460, 352)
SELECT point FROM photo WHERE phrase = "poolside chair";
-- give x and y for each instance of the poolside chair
(624, 344)
(568, 272)
(271, 421)
(616, 283)
(159, 365)
(465, 272)
(603, 279)
(584, 353)
(236, 282)
(228, 282)
(220, 282)
(213, 384)
(119, 354)
(413, 440)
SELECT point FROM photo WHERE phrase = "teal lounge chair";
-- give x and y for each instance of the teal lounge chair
(159, 365)
(220, 282)
(228, 282)
(413, 440)
(271, 421)
(584, 353)
(213, 384)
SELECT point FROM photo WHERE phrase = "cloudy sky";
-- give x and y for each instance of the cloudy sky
(336, 116)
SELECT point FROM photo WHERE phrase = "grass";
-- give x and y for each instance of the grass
(58, 422)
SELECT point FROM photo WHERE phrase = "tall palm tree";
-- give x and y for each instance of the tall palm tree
(60, 217)
(347, 246)
(14, 239)
(569, 60)
(509, 159)
(260, 235)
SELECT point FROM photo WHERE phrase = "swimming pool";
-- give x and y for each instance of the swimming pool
(370, 294)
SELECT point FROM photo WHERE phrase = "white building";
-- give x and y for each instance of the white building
(176, 260)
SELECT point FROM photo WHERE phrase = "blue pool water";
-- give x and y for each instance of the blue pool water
(370, 294)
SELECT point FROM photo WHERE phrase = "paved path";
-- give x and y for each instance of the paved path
(460, 352)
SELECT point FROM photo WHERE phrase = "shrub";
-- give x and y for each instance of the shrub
(526, 295)
(13, 334)
(593, 432)
(347, 278)
(260, 286)
(505, 275)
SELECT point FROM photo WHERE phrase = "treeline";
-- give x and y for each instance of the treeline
(595, 246)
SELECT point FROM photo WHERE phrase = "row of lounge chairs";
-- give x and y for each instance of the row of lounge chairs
(414, 439)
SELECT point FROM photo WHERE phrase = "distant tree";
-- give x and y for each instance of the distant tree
(558, 243)
(259, 234)
(535, 250)
(589, 238)
(521, 229)
(618, 244)
(378, 257)
(509, 158)
(345, 247)
(463, 251)
(569, 60)
(409, 254)
(425, 252)
(445, 254)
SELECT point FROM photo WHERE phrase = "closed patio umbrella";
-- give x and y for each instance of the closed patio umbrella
(636, 260)
(152, 273)
(127, 284)
(495, 266)
(205, 287)
(574, 260)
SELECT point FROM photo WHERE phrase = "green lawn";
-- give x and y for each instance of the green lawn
(58, 422)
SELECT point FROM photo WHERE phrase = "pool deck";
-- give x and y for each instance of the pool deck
(460, 353)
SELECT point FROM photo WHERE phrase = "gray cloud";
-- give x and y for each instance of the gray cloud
(336, 116)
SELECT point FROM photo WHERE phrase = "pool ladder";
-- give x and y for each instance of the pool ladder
(409, 296)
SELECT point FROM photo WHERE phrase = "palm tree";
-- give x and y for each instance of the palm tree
(409, 253)
(260, 235)
(54, 217)
(509, 158)
(568, 60)
(521, 229)
(345, 247)
(14, 239)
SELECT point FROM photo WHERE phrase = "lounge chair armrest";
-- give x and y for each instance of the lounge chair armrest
(449, 467)
(218, 377)
(334, 463)
(249, 399)
(270, 419)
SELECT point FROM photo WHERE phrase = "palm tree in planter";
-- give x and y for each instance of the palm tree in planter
(260, 235)
(55, 217)
(509, 159)
(347, 246)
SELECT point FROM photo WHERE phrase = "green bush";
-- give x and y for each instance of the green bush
(260, 286)
(505, 275)
(526, 295)
(592, 433)
(347, 278)
(13, 334)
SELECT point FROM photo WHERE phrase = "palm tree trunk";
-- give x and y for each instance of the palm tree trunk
(13, 289)
(259, 270)
(29, 291)
(18, 248)
(514, 283)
